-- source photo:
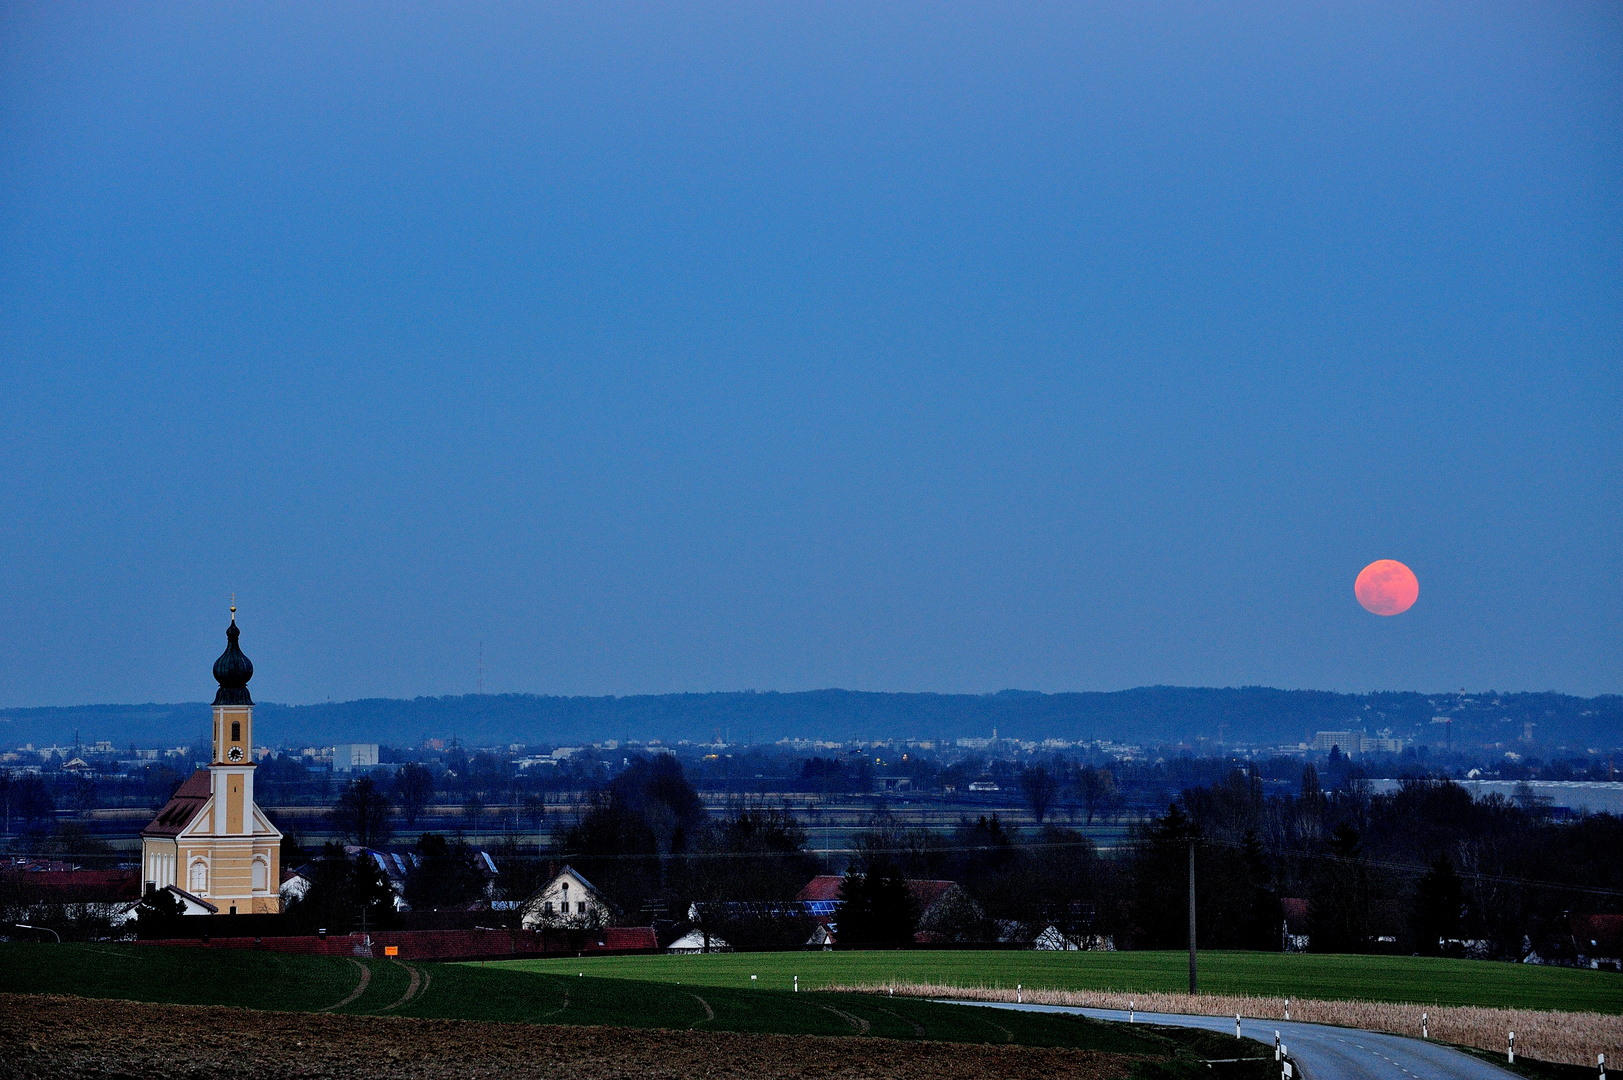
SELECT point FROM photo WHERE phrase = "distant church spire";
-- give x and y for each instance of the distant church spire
(233, 670)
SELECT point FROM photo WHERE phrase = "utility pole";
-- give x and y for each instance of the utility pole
(1192, 984)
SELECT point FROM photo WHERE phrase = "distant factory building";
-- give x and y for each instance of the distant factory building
(347, 757)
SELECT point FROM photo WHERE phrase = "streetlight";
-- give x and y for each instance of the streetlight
(46, 929)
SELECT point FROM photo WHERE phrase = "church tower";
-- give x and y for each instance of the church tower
(211, 842)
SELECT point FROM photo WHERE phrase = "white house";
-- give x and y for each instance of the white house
(568, 900)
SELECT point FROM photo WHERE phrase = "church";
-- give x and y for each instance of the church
(210, 843)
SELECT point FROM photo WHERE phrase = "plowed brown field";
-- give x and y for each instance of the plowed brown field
(44, 1036)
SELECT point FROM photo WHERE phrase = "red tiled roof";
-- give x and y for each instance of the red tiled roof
(629, 937)
(827, 887)
(928, 892)
(1606, 931)
(821, 887)
(106, 886)
(182, 806)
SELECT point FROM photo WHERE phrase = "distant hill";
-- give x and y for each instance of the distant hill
(1152, 715)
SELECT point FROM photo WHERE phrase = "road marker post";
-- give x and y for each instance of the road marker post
(1287, 1008)
(1019, 994)
(1425, 1032)
(1601, 1059)
(1276, 1044)
(1286, 1071)
(797, 984)
(1236, 1025)
(1132, 1006)
(1510, 1054)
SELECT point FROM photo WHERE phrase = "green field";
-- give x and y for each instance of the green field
(504, 993)
(1419, 980)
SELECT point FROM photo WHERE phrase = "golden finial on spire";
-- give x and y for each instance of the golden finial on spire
(233, 607)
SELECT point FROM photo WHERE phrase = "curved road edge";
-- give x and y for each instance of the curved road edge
(1321, 1052)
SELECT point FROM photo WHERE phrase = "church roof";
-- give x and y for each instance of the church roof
(233, 669)
(182, 806)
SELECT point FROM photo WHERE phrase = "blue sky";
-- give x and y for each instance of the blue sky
(896, 347)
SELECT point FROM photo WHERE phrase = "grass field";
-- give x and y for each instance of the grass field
(503, 993)
(1419, 980)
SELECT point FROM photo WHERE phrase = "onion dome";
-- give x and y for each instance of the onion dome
(233, 670)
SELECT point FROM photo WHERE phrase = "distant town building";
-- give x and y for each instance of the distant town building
(1347, 742)
(1356, 742)
(347, 757)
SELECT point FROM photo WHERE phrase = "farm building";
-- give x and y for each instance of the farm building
(941, 904)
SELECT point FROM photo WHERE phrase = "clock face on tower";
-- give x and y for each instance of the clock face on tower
(234, 754)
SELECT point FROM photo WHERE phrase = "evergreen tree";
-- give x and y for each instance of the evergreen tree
(344, 894)
(878, 908)
(444, 875)
(1338, 911)
(1264, 927)
(1160, 863)
(1439, 907)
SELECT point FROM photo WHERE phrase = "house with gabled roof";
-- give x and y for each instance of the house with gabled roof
(568, 900)
(937, 902)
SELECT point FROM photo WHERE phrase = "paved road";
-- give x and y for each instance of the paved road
(1322, 1052)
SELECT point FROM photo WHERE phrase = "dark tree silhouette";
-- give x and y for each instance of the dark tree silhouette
(361, 814)
(1338, 911)
(413, 787)
(444, 875)
(1097, 788)
(1039, 787)
(1439, 907)
(344, 894)
(637, 827)
(878, 907)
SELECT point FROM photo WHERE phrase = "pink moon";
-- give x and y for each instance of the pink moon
(1387, 587)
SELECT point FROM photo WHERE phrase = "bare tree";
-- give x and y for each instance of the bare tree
(413, 787)
(473, 809)
(1098, 789)
(361, 814)
(1039, 787)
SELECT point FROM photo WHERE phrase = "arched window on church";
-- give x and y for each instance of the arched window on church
(199, 880)
(261, 875)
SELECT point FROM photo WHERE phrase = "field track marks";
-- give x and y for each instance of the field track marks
(366, 980)
(1008, 1036)
(709, 1013)
(411, 988)
(918, 1028)
(858, 1024)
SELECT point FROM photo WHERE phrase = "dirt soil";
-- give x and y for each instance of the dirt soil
(47, 1036)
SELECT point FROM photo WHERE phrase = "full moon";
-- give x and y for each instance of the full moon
(1386, 587)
